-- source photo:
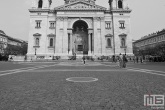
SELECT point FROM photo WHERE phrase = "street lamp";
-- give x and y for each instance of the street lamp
(125, 50)
(35, 51)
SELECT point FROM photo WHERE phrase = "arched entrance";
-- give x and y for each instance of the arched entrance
(80, 37)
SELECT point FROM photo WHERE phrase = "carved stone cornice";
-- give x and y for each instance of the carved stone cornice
(80, 5)
(121, 11)
(39, 10)
(52, 11)
(65, 18)
(90, 29)
(62, 18)
(70, 29)
(81, 10)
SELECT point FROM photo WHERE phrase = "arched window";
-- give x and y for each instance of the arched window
(109, 42)
(40, 4)
(123, 42)
(37, 41)
(120, 4)
(51, 42)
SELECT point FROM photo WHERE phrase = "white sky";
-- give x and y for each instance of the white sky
(147, 16)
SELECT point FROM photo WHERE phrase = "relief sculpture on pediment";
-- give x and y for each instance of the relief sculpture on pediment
(81, 5)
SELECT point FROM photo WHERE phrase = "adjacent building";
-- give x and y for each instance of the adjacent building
(3, 41)
(150, 40)
(14, 41)
(79, 27)
(6, 41)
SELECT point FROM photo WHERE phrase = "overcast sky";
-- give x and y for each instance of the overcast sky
(147, 16)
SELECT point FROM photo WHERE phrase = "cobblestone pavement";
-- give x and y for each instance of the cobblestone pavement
(44, 87)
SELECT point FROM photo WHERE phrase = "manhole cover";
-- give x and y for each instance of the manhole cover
(81, 79)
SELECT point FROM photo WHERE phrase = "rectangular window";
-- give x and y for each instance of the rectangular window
(38, 24)
(107, 25)
(122, 24)
(52, 24)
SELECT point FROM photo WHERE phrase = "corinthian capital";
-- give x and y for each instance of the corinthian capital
(59, 18)
(96, 18)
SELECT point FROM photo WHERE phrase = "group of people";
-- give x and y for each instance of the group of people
(122, 60)
(136, 59)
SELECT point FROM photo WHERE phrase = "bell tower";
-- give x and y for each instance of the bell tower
(121, 28)
(41, 4)
(119, 4)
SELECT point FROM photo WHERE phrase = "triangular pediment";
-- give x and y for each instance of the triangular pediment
(51, 35)
(123, 34)
(80, 5)
(37, 34)
(109, 35)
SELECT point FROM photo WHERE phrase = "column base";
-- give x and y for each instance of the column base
(70, 53)
(89, 53)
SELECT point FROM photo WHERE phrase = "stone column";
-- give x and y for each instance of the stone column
(70, 51)
(103, 41)
(92, 41)
(89, 44)
(65, 36)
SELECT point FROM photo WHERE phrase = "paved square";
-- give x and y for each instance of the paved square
(43, 86)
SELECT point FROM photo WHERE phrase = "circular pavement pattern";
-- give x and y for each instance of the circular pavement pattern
(82, 79)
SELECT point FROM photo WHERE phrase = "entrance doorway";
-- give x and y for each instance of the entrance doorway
(80, 37)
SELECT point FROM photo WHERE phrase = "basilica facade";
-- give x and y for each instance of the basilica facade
(79, 27)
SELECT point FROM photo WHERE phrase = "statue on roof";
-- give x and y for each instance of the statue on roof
(50, 2)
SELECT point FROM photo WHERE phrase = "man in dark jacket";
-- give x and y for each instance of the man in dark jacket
(124, 61)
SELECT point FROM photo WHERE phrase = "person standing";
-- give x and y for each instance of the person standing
(84, 60)
(11, 58)
(124, 61)
(141, 59)
(137, 59)
(134, 58)
(113, 59)
(120, 60)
